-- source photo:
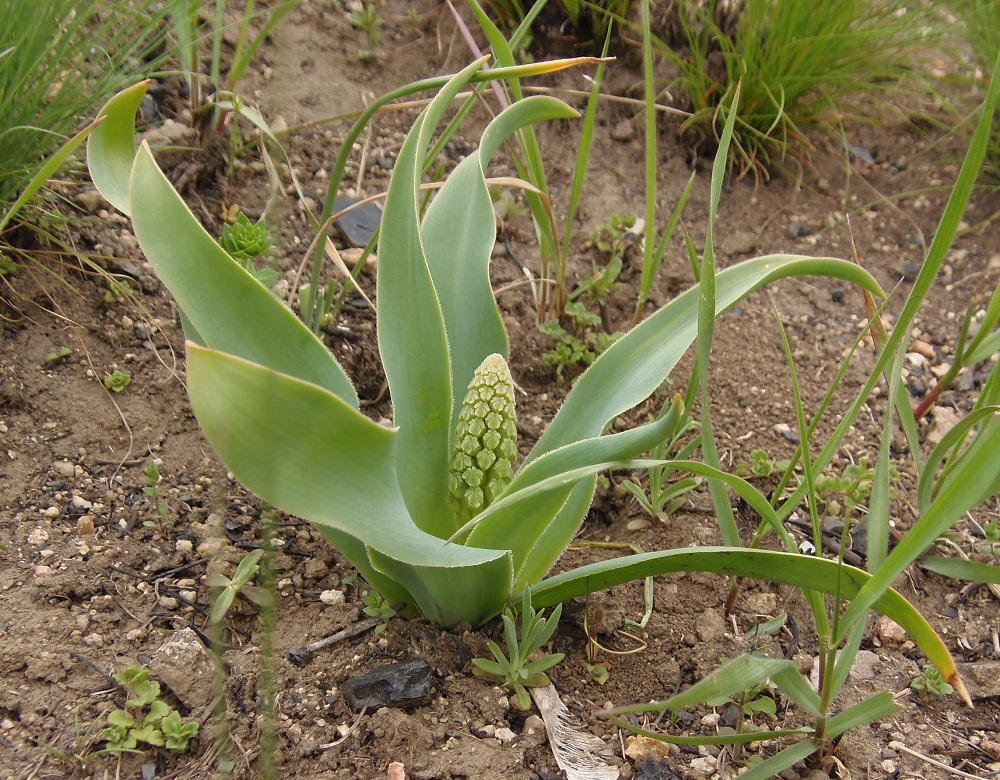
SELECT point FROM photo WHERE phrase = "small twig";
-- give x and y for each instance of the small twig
(350, 730)
(933, 762)
(301, 656)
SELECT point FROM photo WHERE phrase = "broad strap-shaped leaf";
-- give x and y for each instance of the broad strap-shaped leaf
(411, 332)
(306, 451)
(635, 365)
(802, 571)
(231, 310)
(111, 149)
(458, 236)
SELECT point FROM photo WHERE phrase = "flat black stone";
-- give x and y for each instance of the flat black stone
(359, 225)
(651, 769)
(401, 684)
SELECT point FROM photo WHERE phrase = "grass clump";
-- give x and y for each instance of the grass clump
(58, 61)
(979, 40)
(801, 65)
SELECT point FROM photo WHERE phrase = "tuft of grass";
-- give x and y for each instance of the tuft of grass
(58, 61)
(979, 40)
(801, 65)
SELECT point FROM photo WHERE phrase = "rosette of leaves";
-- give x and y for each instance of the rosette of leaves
(284, 416)
(246, 241)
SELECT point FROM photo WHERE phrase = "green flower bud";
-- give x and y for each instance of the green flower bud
(485, 441)
(245, 240)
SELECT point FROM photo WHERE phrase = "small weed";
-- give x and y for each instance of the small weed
(145, 719)
(850, 490)
(227, 589)
(930, 682)
(118, 291)
(367, 20)
(665, 496)
(117, 380)
(514, 669)
(991, 536)
(572, 349)
(760, 466)
(246, 241)
(749, 702)
(154, 493)
(612, 237)
(378, 607)
(56, 355)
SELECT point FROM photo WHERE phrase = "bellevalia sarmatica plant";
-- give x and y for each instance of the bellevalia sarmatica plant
(283, 415)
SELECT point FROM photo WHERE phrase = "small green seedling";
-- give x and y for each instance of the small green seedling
(155, 494)
(571, 349)
(851, 489)
(229, 588)
(514, 669)
(145, 718)
(117, 380)
(760, 466)
(56, 355)
(665, 496)
(751, 701)
(118, 291)
(246, 241)
(378, 607)
(611, 238)
(991, 538)
(930, 682)
(367, 20)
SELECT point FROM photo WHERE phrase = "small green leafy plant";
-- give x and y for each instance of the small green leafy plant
(367, 20)
(58, 354)
(514, 668)
(930, 683)
(153, 491)
(119, 290)
(246, 241)
(849, 491)
(226, 589)
(666, 495)
(760, 465)
(578, 346)
(378, 607)
(117, 380)
(146, 719)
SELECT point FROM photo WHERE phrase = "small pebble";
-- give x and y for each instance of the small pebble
(85, 525)
(505, 735)
(890, 632)
(332, 598)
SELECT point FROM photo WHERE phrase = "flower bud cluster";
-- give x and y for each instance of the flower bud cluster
(485, 440)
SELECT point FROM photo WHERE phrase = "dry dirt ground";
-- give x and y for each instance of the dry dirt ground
(93, 579)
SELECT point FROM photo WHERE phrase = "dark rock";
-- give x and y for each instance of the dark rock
(401, 684)
(837, 294)
(730, 716)
(298, 657)
(651, 769)
(357, 226)
(385, 163)
(916, 387)
(914, 240)
(799, 229)
(911, 270)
